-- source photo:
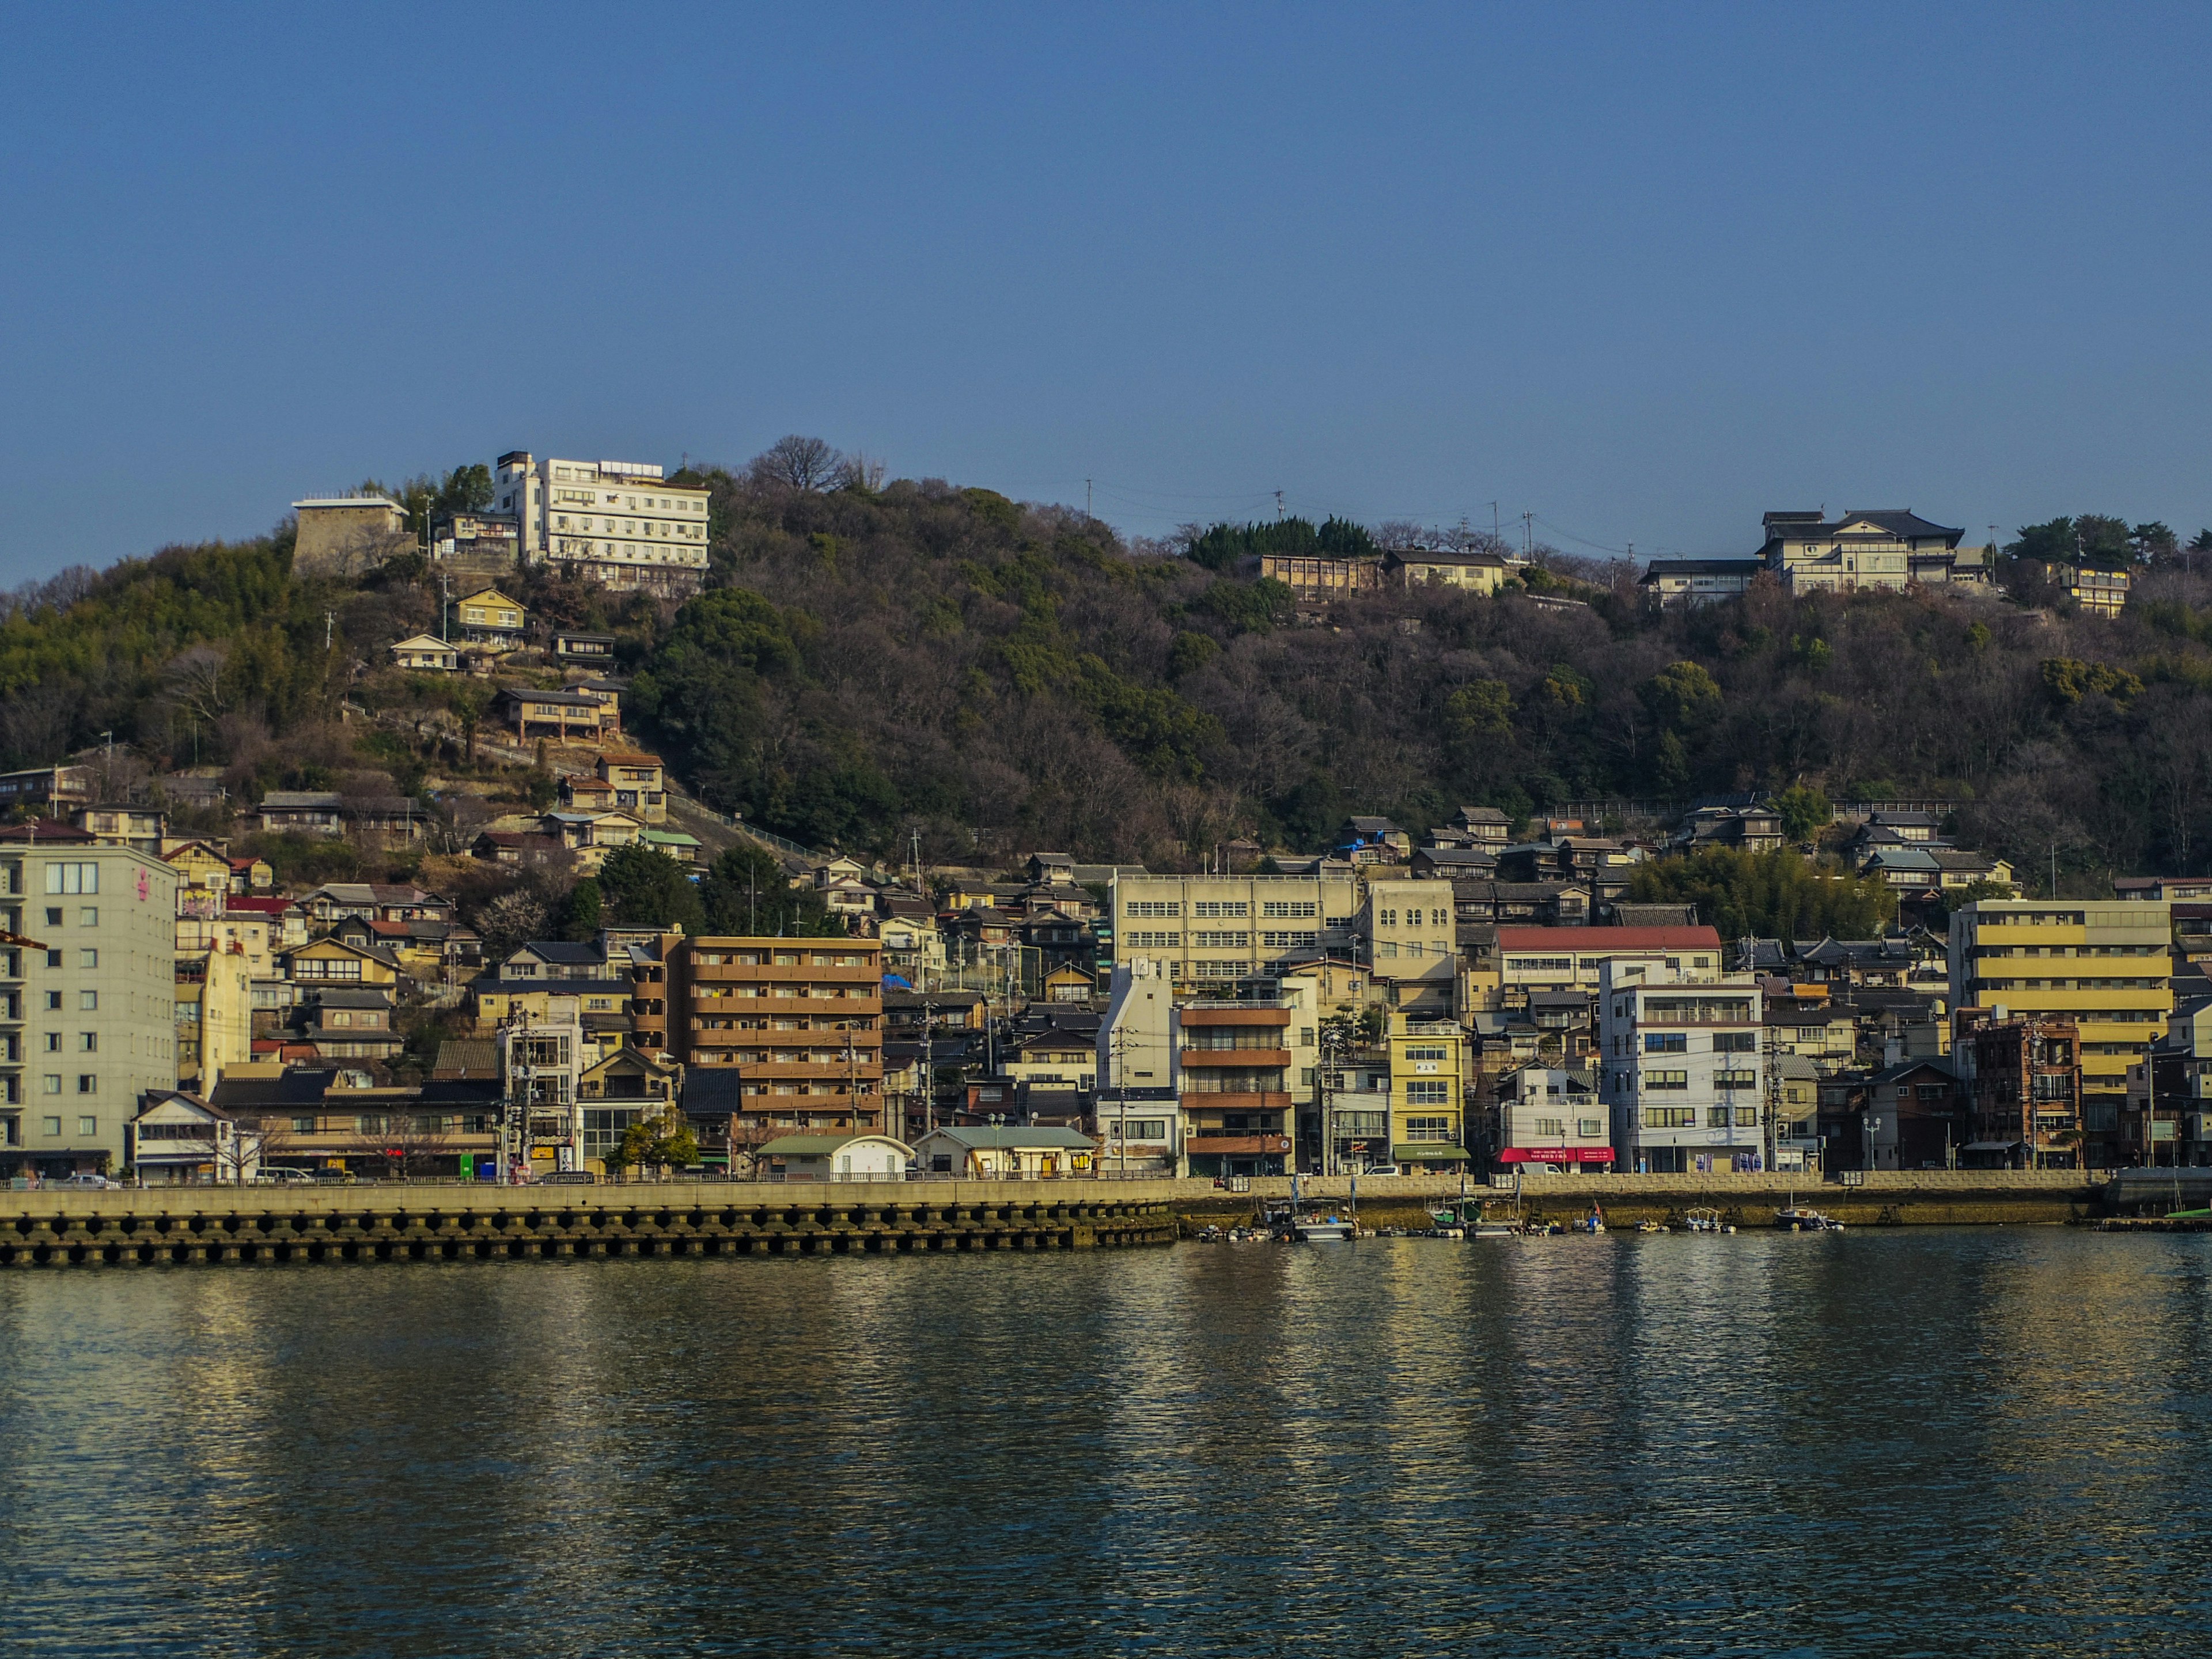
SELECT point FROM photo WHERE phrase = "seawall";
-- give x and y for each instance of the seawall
(210, 1225)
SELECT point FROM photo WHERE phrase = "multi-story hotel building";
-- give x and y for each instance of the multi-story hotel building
(2106, 964)
(1195, 929)
(87, 983)
(1681, 1073)
(621, 524)
(799, 1022)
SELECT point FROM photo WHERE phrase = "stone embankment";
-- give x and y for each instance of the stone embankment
(216, 1224)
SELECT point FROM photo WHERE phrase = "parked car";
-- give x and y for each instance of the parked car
(337, 1177)
(98, 1183)
(1382, 1170)
(278, 1174)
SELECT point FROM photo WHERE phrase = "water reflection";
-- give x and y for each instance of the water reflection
(1960, 1442)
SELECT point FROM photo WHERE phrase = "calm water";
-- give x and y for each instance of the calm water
(1934, 1442)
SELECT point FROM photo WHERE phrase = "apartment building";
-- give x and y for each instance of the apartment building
(1211, 929)
(798, 1021)
(87, 987)
(1409, 930)
(1428, 1094)
(621, 524)
(2022, 1080)
(1139, 1115)
(2106, 964)
(1533, 959)
(1681, 1073)
(1235, 1063)
(1551, 1115)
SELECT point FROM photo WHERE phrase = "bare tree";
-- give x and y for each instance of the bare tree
(409, 1143)
(192, 682)
(254, 1139)
(797, 463)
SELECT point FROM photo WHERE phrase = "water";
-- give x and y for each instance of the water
(1927, 1441)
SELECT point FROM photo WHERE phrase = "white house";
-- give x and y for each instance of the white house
(833, 1157)
(1139, 1108)
(1547, 1114)
(1007, 1152)
(178, 1138)
(426, 651)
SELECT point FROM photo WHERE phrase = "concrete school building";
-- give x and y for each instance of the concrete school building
(88, 986)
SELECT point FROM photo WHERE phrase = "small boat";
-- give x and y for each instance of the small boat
(1306, 1223)
(1704, 1221)
(1653, 1227)
(1493, 1230)
(1796, 1219)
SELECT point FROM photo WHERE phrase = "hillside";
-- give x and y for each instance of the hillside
(874, 660)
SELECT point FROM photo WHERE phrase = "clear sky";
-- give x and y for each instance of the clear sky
(1643, 271)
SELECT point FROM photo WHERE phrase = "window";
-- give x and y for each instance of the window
(53, 1042)
(86, 1002)
(89, 916)
(1426, 1092)
(1289, 909)
(1665, 1043)
(1144, 941)
(1587, 1127)
(51, 1084)
(73, 877)
(88, 1042)
(1735, 1042)
(1153, 907)
(87, 1125)
(52, 1126)
(53, 915)
(303, 1126)
(1428, 1130)
(1551, 1129)
(1207, 909)
(1666, 1079)
(1221, 941)
(1735, 1079)
(1670, 1118)
(54, 960)
(88, 958)
(87, 1083)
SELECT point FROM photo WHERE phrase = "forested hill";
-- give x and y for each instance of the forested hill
(875, 658)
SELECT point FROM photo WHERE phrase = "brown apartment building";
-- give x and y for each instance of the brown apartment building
(797, 1023)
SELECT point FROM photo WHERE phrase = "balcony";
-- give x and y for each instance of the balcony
(1262, 1059)
(867, 972)
(1267, 1100)
(1237, 1145)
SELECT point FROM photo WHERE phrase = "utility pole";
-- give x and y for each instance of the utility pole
(445, 605)
(330, 621)
(1086, 498)
(1279, 506)
(1496, 525)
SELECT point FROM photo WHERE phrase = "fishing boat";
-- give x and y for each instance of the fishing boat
(1705, 1221)
(1797, 1219)
(1306, 1223)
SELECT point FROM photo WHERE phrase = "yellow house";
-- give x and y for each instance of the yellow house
(203, 870)
(1428, 1094)
(334, 961)
(1476, 573)
(426, 651)
(488, 616)
(639, 784)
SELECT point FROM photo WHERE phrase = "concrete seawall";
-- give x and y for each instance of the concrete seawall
(211, 1224)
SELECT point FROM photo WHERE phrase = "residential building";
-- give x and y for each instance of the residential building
(145, 828)
(541, 1062)
(175, 1138)
(1574, 958)
(302, 812)
(1698, 581)
(1354, 1132)
(375, 900)
(1476, 572)
(583, 650)
(488, 616)
(348, 535)
(47, 786)
(1235, 1068)
(427, 653)
(1484, 827)
(833, 1157)
(480, 544)
(2169, 1115)
(1210, 929)
(1917, 1118)
(1006, 1152)
(333, 961)
(2101, 592)
(1368, 840)
(1682, 1074)
(87, 987)
(2106, 964)
(1739, 828)
(1139, 1122)
(1887, 548)
(1408, 932)
(799, 1021)
(1315, 579)
(1793, 1104)
(560, 716)
(621, 524)
(2023, 1082)
(1428, 1094)
(638, 783)
(213, 995)
(1550, 1115)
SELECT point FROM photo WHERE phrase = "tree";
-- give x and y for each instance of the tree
(511, 920)
(640, 887)
(797, 463)
(658, 1135)
(746, 892)
(585, 915)
(409, 1143)
(1805, 812)
(1775, 895)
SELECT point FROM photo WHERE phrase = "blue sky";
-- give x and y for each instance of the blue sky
(1643, 271)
